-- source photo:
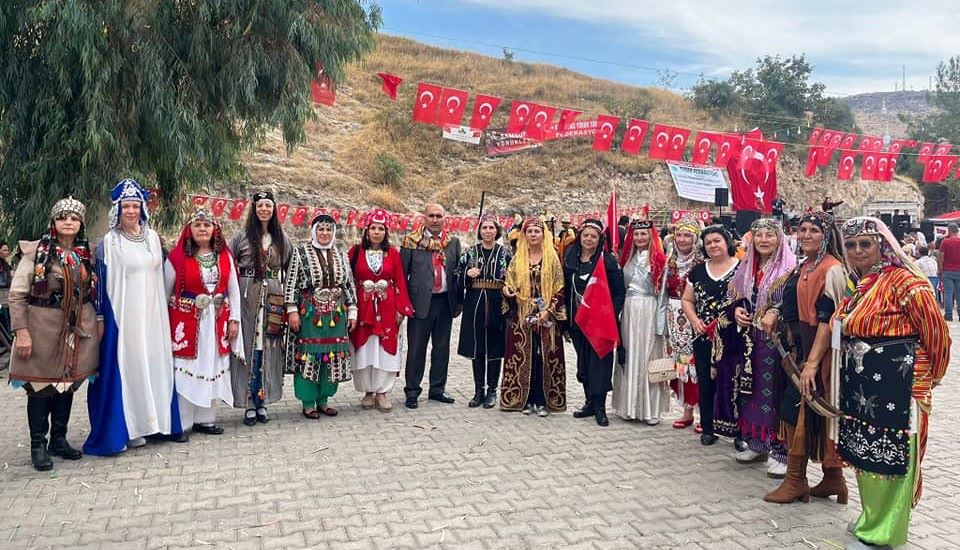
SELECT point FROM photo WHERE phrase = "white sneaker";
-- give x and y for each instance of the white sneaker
(136, 442)
(542, 411)
(748, 456)
(776, 470)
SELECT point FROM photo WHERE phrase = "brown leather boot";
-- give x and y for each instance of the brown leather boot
(832, 484)
(794, 486)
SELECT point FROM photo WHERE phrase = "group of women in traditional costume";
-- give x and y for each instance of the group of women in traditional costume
(831, 358)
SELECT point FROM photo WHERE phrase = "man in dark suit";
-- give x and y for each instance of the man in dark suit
(429, 257)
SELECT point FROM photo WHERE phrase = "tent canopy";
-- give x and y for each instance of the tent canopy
(948, 217)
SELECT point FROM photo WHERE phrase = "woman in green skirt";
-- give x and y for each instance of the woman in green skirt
(321, 309)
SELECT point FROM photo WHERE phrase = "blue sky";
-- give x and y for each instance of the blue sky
(854, 46)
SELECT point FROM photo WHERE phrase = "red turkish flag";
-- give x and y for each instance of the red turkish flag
(886, 165)
(218, 207)
(814, 137)
(427, 105)
(925, 150)
(321, 87)
(753, 179)
(939, 167)
(633, 137)
(830, 140)
(453, 103)
(813, 151)
(702, 146)
(282, 210)
(871, 143)
(667, 142)
(483, 108)
(595, 316)
(942, 149)
(612, 242)
(848, 161)
(200, 200)
(728, 147)
(847, 143)
(390, 84)
(768, 151)
(520, 112)
(299, 215)
(567, 116)
(539, 122)
(238, 207)
(897, 145)
(868, 168)
(606, 129)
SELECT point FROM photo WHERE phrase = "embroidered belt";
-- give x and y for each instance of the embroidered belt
(487, 284)
(200, 301)
(321, 341)
(53, 301)
(327, 295)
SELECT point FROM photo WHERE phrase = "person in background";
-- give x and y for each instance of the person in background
(928, 265)
(481, 273)
(6, 274)
(948, 258)
(58, 335)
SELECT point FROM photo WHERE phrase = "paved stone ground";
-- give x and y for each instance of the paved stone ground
(443, 476)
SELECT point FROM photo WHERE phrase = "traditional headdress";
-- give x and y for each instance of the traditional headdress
(325, 221)
(378, 215)
(890, 251)
(491, 218)
(518, 274)
(831, 235)
(201, 214)
(128, 190)
(782, 261)
(66, 206)
(658, 258)
(688, 222)
(593, 224)
(263, 195)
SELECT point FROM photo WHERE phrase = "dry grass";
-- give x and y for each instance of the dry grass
(385, 197)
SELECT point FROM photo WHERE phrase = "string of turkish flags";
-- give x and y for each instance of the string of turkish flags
(301, 215)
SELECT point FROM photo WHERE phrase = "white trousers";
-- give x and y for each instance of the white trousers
(373, 380)
(191, 414)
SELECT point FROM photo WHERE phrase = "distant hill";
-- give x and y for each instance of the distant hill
(351, 146)
(868, 109)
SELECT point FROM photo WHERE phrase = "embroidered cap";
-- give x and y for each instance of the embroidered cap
(641, 224)
(263, 195)
(689, 223)
(66, 206)
(323, 220)
(860, 226)
(769, 224)
(202, 214)
(592, 224)
(128, 190)
(378, 215)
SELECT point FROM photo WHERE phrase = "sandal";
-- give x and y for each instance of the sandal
(698, 428)
(262, 415)
(312, 415)
(329, 411)
(250, 417)
(681, 424)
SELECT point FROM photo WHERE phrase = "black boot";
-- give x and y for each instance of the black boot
(59, 419)
(493, 381)
(587, 409)
(600, 409)
(38, 409)
(478, 394)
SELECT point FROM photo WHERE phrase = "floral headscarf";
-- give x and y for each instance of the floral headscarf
(781, 261)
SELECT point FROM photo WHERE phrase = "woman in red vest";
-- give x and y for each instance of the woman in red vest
(204, 302)
(382, 304)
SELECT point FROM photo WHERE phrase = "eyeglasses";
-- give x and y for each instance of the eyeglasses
(865, 244)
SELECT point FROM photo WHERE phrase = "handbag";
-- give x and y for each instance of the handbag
(275, 315)
(661, 370)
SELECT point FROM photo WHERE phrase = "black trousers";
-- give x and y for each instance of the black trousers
(702, 350)
(435, 329)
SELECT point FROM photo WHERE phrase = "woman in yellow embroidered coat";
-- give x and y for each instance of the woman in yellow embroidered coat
(897, 347)
(534, 375)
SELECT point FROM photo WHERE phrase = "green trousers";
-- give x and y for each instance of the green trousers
(314, 395)
(886, 501)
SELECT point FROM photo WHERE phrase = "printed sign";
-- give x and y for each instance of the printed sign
(696, 183)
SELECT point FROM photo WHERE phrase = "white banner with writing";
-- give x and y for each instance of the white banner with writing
(697, 183)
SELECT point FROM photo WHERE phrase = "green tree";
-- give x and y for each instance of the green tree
(170, 91)
(775, 94)
(941, 125)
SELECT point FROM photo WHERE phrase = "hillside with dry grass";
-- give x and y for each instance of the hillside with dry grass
(365, 152)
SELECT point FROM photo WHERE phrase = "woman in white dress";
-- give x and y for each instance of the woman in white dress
(204, 302)
(132, 396)
(642, 327)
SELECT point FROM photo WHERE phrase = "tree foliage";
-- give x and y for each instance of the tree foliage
(168, 91)
(776, 94)
(940, 125)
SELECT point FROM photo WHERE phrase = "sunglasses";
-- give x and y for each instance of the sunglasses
(866, 244)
